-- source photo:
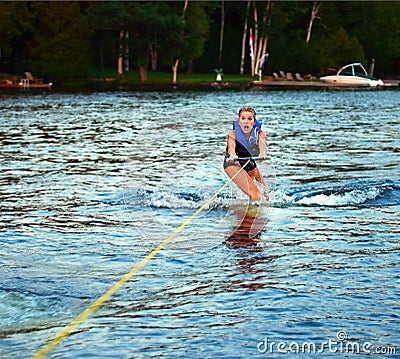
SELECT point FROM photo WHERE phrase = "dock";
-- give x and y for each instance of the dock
(25, 85)
(295, 84)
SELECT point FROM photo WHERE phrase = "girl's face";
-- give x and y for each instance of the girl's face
(246, 121)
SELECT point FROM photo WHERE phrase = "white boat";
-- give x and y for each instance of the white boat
(352, 75)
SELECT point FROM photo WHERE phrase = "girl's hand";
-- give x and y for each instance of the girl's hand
(232, 158)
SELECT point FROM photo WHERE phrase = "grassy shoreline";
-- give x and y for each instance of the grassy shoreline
(108, 80)
(153, 77)
(165, 80)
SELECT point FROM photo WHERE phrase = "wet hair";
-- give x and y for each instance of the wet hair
(248, 109)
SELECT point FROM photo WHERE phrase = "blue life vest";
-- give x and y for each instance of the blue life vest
(247, 147)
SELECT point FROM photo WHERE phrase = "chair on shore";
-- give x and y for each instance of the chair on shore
(289, 76)
(282, 74)
(33, 79)
(298, 77)
(276, 76)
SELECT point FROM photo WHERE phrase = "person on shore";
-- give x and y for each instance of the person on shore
(245, 141)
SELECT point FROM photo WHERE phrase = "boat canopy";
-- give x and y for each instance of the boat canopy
(355, 69)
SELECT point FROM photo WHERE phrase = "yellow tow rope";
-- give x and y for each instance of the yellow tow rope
(99, 302)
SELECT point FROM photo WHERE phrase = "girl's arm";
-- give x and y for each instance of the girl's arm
(231, 144)
(262, 143)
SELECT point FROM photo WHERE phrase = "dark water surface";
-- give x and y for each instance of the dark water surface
(92, 183)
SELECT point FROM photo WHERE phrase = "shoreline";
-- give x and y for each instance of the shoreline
(92, 85)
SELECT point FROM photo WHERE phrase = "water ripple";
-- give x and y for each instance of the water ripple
(93, 182)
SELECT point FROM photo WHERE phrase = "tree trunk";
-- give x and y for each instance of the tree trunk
(246, 20)
(190, 67)
(102, 56)
(221, 33)
(127, 51)
(175, 65)
(371, 68)
(255, 39)
(153, 54)
(185, 5)
(174, 71)
(143, 73)
(101, 50)
(251, 43)
(263, 40)
(314, 15)
(120, 54)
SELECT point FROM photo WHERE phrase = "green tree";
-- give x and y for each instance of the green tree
(116, 18)
(279, 43)
(59, 47)
(150, 28)
(338, 49)
(379, 37)
(53, 40)
(196, 31)
(184, 35)
(14, 21)
(15, 28)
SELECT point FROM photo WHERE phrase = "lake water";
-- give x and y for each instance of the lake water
(91, 183)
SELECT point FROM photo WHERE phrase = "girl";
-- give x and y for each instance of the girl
(245, 140)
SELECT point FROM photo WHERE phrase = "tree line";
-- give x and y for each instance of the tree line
(61, 40)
